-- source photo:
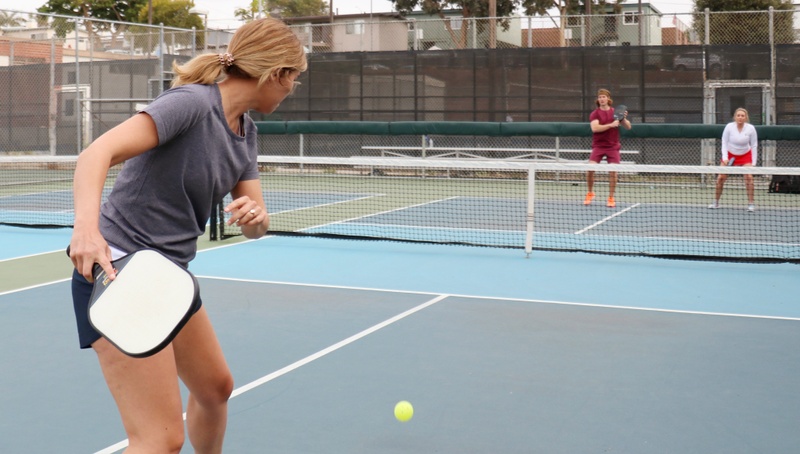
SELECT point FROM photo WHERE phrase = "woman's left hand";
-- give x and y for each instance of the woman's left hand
(245, 211)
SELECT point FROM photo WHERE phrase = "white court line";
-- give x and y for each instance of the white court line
(292, 210)
(423, 227)
(511, 299)
(17, 290)
(300, 363)
(606, 219)
(334, 347)
(32, 255)
(430, 202)
(58, 281)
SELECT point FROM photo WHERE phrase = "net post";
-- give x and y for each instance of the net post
(212, 229)
(223, 234)
(529, 213)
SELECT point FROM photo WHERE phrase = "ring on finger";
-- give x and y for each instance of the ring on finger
(253, 211)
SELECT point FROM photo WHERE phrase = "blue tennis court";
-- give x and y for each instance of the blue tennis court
(561, 352)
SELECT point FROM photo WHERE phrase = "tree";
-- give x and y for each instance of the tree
(574, 7)
(283, 8)
(749, 24)
(10, 20)
(504, 8)
(113, 10)
(172, 13)
(480, 8)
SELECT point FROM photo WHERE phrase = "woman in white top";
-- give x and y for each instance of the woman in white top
(739, 148)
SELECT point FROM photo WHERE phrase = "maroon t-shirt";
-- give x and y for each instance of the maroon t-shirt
(607, 140)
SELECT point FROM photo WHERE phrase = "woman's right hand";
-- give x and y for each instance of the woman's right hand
(88, 248)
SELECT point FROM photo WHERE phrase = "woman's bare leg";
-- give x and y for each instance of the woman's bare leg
(148, 398)
(203, 369)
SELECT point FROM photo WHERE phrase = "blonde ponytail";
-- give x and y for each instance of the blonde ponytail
(203, 69)
(260, 49)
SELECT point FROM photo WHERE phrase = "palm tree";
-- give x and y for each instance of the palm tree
(10, 20)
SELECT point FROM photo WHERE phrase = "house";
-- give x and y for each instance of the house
(45, 34)
(676, 33)
(19, 51)
(458, 32)
(351, 32)
(623, 27)
(393, 31)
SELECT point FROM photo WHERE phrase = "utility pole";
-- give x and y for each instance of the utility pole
(149, 29)
(641, 30)
(588, 22)
(492, 24)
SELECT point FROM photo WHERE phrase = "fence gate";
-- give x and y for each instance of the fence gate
(723, 97)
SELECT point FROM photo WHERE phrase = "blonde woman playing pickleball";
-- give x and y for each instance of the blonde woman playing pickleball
(739, 148)
(186, 150)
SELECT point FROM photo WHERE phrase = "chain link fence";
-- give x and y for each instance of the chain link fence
(381, 34)
(66, 80)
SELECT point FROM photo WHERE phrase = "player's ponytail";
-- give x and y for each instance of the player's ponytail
(260, 49)
(204, 69)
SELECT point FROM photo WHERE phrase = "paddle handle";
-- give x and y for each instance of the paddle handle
(96, 269)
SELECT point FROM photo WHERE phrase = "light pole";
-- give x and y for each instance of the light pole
(492, 24)
(204, 13)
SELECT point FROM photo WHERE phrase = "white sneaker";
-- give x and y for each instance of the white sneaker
(713, 206)
(751, 207)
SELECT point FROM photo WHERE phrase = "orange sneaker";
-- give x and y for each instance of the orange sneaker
(588, 199)
(611, 203)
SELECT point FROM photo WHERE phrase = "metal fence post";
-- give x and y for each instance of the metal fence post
(161, 58)
(770, 148)
(530, 31)
(583, 31)
(474, 23)
(78, 103)
(53, 100)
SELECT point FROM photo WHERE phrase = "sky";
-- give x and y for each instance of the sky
(220, 12)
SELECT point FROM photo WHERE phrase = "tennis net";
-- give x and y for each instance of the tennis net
(660, 210)
(36, 191)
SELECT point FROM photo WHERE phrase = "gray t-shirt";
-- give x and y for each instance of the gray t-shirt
(162, 199)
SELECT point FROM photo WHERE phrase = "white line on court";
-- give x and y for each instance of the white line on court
(58, 281)
(427, 228)
(328, 204)
(31, 255)
(430, 202)
(334, 347)
(17, 290)
(606, 219)
(300, 363)
(520, 300)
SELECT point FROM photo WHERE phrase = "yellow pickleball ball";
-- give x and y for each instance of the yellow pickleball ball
(403, 411)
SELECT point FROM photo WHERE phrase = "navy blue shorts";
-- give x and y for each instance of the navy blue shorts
(81, 294)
